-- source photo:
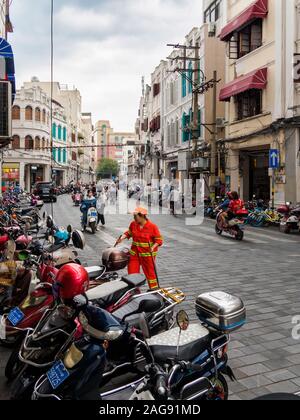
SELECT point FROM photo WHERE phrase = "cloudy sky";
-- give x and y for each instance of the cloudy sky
(103, 47)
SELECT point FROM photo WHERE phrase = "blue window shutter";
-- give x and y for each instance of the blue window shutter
(65, 134)
(54, 154)
(59, 155)
(59, 132)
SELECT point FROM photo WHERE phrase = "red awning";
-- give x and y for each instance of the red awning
(257, 79)
(257, 10)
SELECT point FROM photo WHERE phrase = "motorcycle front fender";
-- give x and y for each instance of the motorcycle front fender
(226, 370)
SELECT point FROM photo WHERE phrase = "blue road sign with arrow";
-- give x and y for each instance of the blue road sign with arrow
(274, 159)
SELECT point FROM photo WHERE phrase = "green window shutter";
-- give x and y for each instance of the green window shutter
(190, 75)
(65, 134)
(59, 155)
(183, 82)
(54, 130)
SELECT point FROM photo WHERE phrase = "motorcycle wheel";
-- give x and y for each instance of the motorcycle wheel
(13, 366)
(23, 386)
(220, 392)
(94, 228)
(218, 230)
(240, 235)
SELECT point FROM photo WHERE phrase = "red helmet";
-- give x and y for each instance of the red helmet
(72, 280)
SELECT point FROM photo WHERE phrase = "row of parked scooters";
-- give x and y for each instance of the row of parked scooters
(58, 354)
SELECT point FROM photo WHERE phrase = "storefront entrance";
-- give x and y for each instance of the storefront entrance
(256, 175)
(10, 175)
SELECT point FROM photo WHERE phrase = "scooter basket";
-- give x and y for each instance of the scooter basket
(115, 259)
(221, 311)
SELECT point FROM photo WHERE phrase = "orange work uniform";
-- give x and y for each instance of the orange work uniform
(140, 254)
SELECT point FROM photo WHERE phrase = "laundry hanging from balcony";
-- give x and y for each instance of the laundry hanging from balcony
(257, 79)
(257, 10)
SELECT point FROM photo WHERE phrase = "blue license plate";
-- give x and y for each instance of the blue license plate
(93, 214)
(57, 374)
(15, 316)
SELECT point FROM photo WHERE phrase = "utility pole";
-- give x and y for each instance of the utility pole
(196, 122)
(213, 165)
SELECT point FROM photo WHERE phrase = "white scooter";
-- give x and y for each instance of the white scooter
(91, 220)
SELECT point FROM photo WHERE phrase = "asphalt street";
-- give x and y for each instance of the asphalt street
(263, 270)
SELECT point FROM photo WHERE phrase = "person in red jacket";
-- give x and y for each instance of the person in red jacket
(235, 205)
(146, 240)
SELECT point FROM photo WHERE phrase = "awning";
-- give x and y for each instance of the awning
(257, 79)
(7, 52)
(257, 10)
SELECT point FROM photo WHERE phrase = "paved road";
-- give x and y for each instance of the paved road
(263, 270)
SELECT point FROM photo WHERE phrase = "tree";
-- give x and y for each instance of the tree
(107, 168)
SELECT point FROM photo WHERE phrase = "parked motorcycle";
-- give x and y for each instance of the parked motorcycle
(235, 226)
(291, 218)
(35, 351)
(190, 362)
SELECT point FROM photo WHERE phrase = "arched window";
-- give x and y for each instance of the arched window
(54, 130)
(65, 156)
(54, 154)
(37, 114)
(190, 76)
(48, 118)
(29, 144)
(177, 131)
(59, 135)
(44, 116)
(28, 113)
(59, 155)
(15, 144)
(16, 112)
(37, 143)
(43, 143)
(65, 134)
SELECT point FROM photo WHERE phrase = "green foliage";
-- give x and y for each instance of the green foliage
(107, 168)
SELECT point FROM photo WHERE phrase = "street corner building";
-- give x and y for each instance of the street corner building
(261, 95)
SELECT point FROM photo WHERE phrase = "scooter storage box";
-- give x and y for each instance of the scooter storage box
(115, 259)
(221, 311)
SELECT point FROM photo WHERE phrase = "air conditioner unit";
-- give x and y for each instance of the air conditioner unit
(5, 110)
(211, 30)
(220, 122)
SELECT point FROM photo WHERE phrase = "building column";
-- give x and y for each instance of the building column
(22, 175)
(234, 169)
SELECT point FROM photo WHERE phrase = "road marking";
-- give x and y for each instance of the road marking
(220, 239)
(201, 235)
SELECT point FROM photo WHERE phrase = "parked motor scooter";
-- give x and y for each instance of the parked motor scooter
(189, 363)
(291, 218)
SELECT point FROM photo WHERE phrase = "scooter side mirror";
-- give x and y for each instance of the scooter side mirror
(70, 229)
(182, 320)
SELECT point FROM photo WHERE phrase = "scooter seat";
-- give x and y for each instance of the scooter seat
(132, 306)
(95, 272)
(54, 248)
(192, 343)
(105, 290)
(134, 280)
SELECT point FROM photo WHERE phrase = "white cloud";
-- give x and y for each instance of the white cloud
(101, 46)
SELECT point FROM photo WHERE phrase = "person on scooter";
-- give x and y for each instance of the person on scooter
(87, 203)
(146, 241)
(224, 206)
(235, 205)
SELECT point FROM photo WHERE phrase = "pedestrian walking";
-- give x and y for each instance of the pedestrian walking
(101, 204)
